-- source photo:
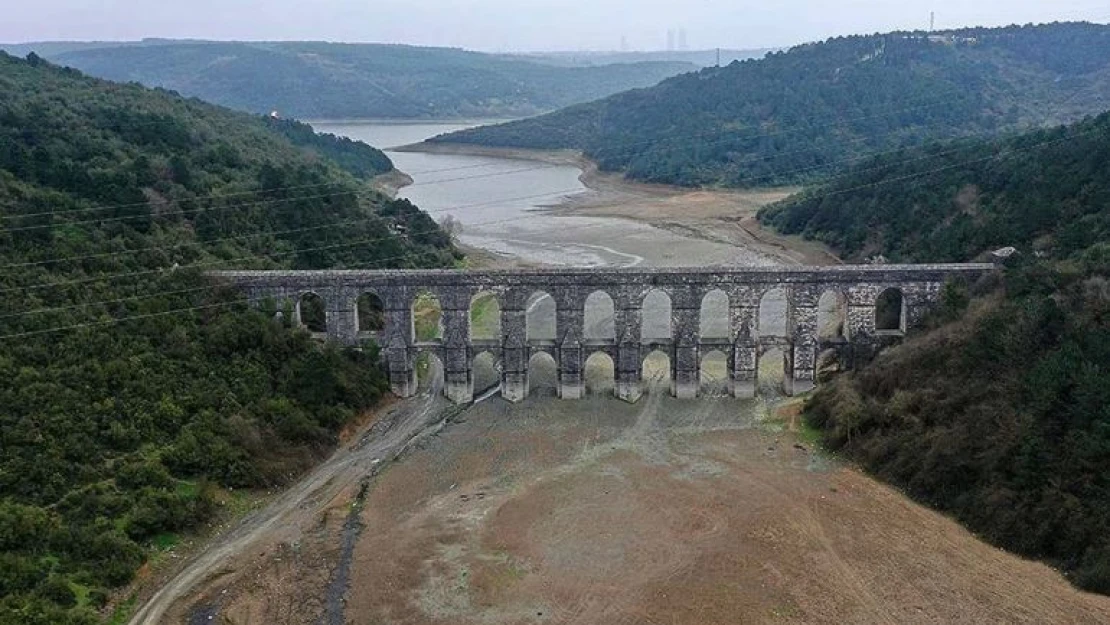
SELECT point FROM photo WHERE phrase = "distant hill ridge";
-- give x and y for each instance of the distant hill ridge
(315, 80)
(795, 116)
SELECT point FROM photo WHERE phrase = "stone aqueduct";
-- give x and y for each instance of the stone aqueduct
(859, 287)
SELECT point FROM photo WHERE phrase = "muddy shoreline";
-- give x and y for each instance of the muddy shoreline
(718, 215)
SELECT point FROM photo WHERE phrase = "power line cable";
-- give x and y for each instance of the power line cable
(662, 144)
(213, 196)
(285, 253)
(92, 279)
(123, 218)
(668, 144)
(268, 233)
(152, 271)
(935, 155)
(942, 100)
(517, 218)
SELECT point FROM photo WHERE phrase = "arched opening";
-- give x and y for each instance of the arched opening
(371, 314)
(828, 365)
(429, 372)
(714, 374)
(600, 373)
(832, 316)
(713, 321)
(427, 318)
(486, 373)
(656, 317)
(313, 313)
(772, 372)
(890, 311)
(656, 372)
(539, 317)
(485, 317)
(772, 313)
(599, 318)
(543, 375)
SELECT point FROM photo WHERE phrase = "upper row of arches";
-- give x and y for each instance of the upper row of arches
(599, 315)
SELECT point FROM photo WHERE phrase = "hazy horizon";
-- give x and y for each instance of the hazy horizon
(504, 26)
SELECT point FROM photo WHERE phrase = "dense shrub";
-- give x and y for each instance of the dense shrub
(1001, 417)
(132, 386)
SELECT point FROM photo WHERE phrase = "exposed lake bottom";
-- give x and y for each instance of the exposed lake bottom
(501, 206)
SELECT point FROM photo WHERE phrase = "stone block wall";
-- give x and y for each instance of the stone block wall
(860, 287)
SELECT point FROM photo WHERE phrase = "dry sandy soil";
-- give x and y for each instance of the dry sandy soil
(599, 512)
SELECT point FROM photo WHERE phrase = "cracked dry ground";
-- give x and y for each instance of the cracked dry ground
(598, 512)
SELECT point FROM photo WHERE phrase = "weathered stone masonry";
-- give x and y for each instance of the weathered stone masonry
(860, 286)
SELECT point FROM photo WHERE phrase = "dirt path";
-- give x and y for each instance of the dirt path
(666, 511)
(597, 511)
(285, 519)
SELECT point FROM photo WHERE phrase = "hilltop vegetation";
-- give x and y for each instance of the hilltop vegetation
(999, 413)
(122, 430)
(797, 116)
(1045, 191)
(313, 80)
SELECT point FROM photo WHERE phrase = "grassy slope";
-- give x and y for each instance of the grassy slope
(113, 199)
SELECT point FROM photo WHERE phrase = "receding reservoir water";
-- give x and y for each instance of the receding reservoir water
(499, 202)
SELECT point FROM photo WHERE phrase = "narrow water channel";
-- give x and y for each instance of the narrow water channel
(500, 202)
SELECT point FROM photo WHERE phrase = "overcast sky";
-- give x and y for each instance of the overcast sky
(504, 25)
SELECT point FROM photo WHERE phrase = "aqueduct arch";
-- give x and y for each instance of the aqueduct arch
(569, 342)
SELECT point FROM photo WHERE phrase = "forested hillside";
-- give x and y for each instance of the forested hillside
(797, 116)
(312, 80)
(357, 158)
(1045, 191)
(133, 391)
(1000, 413)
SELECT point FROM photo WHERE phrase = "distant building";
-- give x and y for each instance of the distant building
(953, 39)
